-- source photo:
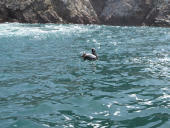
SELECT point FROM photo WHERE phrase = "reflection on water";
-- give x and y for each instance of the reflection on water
(45, 83)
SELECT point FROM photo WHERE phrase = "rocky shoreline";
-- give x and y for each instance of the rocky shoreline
(108, 12)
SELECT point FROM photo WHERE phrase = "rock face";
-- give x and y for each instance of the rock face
(47, 11)
(163, 15)
(110, 12)
(132, 12)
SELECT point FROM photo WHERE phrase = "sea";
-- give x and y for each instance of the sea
(45, 83)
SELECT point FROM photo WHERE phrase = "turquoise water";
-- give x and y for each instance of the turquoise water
(45, 83)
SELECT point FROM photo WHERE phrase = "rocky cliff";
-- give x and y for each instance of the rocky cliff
(110, 12)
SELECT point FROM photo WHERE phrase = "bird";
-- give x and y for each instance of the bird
(90, 56)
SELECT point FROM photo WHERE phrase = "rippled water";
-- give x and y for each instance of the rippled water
(45, 83)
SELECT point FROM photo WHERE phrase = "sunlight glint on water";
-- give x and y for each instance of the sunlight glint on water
(45, 83)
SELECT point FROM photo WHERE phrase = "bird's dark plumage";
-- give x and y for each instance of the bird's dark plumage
(90, 56)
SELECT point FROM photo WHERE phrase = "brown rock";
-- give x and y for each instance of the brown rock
(111, 12)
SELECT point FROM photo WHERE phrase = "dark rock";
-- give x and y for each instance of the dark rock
(163, 15)
(109, 12)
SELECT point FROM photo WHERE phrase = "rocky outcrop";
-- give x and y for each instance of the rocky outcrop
(110, 12)
(163, 15)
(47, 11)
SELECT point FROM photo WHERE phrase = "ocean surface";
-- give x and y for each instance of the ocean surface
(44, 82)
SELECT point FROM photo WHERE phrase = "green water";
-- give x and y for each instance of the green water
(45, 83)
